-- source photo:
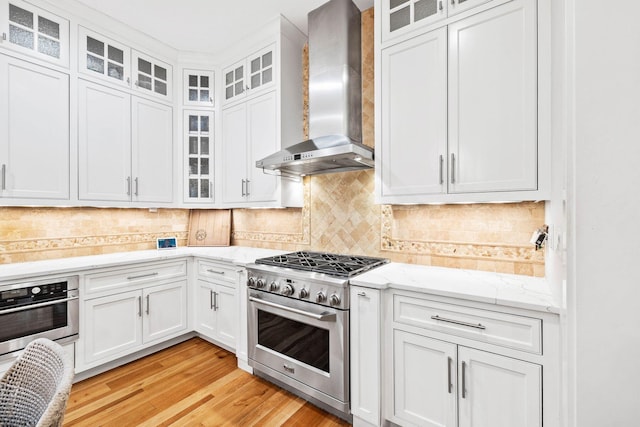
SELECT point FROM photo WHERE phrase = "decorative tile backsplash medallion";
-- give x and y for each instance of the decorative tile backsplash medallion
(31, 234)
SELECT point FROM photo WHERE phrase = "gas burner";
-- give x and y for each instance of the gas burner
(327, 263)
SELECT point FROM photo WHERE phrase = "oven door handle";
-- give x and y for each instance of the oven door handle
(323, 317)
(32, 306)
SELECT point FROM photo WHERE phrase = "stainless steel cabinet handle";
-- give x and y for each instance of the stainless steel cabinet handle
(147, 311)
(458, 322)
(453, 168)
(4, 36)
(464, 380)
(128, 81)
(4, 177)
(322, 317)
(215, 271)
(243, 192)
(440, 5)
(141, 276)
(362, 294)
(136, 182)
(215, 301)
(248, 192)
(441, 173)
(449, 363)
(139, 306)
(211, 299)
(128, 186)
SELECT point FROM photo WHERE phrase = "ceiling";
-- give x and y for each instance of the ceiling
(206, 26)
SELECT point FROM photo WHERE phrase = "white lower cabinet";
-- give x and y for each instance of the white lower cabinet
(121, 323)
(437, 383)
(216, 302)
(217, 314)
(365, 366)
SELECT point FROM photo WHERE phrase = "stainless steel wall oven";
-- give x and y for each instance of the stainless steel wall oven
(298, 320)
(43, 308)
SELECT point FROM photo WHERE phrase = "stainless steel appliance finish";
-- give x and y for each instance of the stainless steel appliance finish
(44, 308)
(335, 98)
(298, 317)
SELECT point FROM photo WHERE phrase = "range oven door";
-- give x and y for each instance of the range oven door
(54, 319)
(304, 342)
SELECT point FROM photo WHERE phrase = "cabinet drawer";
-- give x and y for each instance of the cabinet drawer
(115, 279)
(217, 271)
(507, 330)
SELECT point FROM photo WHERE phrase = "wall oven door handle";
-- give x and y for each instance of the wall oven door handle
(323, 317)
(32, 306)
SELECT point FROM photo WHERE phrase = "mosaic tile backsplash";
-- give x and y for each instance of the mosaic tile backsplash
(339, 215)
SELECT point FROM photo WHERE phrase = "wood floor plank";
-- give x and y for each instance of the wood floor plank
(191, 384)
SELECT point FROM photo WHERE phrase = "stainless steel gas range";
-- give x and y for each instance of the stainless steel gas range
(298, 320)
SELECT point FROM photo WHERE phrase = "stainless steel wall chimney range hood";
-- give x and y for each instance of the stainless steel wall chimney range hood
(335, 99)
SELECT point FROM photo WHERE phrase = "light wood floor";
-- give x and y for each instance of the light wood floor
(191, 384)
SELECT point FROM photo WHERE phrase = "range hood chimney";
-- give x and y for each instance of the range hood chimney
(335, 98)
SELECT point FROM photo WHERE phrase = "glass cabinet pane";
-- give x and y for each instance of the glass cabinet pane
(193, 94)
(204, 189)
(161, 87)
(199, 161)
(144, 66)
(193, 188)
(21, 37)
(204, 146)
(37, 31)
(115, 71)
(255, 65)
(95, 46)
(267, 59)
(395, 3)
(204, 96)
(204, 81)
(20, 16)
(95, 64)
(399, 18)
(193, 145)
(48, 46)
(424, 9)
(160, 73)
(193, 123)
(48, 27)
(204, 124)
(116, 55)
(204, 166)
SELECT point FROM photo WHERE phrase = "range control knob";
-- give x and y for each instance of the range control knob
(251, 282)
(303, 293)
(287, 290)
(321, 296)
(273, 286)
(334, 299)
(260, 283)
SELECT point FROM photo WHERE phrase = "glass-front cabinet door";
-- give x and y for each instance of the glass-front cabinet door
(152, 76)
(102, 57)
(198, 137)
(234, 81)
(402, 15)
(198, 88)
(34, 31)
(261, 71)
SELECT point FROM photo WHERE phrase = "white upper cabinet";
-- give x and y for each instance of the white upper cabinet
(457, 111)
(35, 32)
(403, 16)
(250, 75)
(198, 136)
(198, 88)
(152, 76)
(34, 132)
(493, 100)
(101, 57)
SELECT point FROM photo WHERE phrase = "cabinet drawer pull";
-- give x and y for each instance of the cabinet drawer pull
(440, 5)
(4, 177)
(248, 192)
(243, 192)
(450, 385)
(147, 305)
(4, 36)
(215, 301)
(136, 182)
(464, 380)
(139, 306)
(211, 300)
(141, 276)
(453, 168)
(458, 322)
(128, 186)
(441, 173)
(215, 271)
(362, 294)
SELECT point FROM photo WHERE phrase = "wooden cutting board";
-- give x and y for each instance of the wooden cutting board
(209, 227)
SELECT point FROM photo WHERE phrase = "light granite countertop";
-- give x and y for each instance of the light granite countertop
(510, 290)
(239, 255)
(493, 288)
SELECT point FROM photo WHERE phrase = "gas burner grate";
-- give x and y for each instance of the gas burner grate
(327, 263)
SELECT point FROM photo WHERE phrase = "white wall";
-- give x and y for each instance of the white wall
(604, 215)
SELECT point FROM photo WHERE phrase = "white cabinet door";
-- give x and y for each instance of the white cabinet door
(401, 16)
(152, 151)
(205, 314)
(226, 309)
(234, 153)
(424, 381)
(104, 143)
(112, 326)
(198, 88)
(493, 100)
(498, 391)
(165, 310)
(34, 131)
(261, 69)
(199, 160)
(102, 57)
(365, 335)
(262, 136)
(234, 81)
(151, 76)
(414, 117)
